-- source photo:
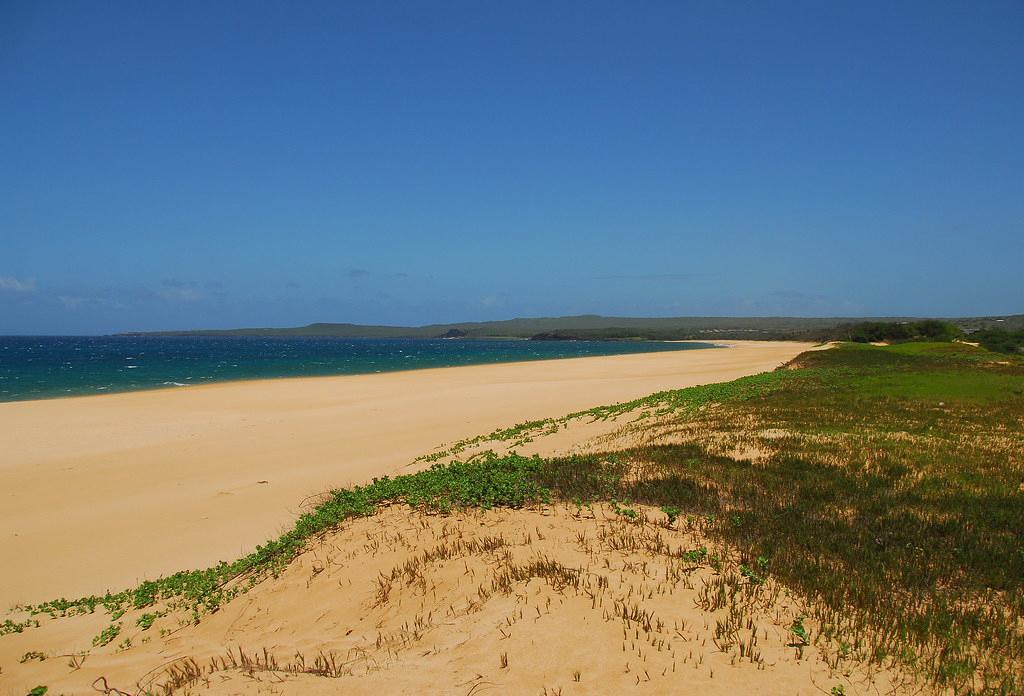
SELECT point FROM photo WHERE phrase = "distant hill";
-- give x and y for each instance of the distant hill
(596, 327)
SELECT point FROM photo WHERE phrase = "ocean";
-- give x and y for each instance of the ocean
(40, 367)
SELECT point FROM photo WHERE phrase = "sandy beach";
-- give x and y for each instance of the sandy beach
(100, 492)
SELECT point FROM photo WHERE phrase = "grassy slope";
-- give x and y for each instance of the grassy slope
(882, 484)
(887, 490)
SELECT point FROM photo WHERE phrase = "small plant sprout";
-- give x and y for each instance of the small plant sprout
(798, 630)
(106, 635)
(748, 573)
(627, 512)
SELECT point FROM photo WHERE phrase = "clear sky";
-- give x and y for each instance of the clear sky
(197, 164)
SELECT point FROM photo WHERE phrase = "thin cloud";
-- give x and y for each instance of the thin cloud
(176, 290)
(12, 284)
(72, 301)
(181, 294)
(99, 299)
(650, 276)
(797, 296)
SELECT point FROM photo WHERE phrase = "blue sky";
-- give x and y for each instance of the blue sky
(187, 164)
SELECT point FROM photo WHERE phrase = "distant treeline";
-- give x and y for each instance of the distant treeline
(891, 331)
(592, 327)
(1000, 341)
(627, 334)
(997, 340)
(859, 332)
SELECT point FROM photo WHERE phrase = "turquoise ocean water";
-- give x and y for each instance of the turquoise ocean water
(38, 367)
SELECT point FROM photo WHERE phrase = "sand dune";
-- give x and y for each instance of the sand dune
(555, 600)
(100, 492)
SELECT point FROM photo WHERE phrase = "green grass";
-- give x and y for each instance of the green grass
(886, 491)
(978, 387)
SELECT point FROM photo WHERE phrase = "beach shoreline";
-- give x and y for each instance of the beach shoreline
(161, 377)
(103, 491)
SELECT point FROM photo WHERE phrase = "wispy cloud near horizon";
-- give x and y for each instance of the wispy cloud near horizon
(651, 276)
(12, 284)
(176, 290)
